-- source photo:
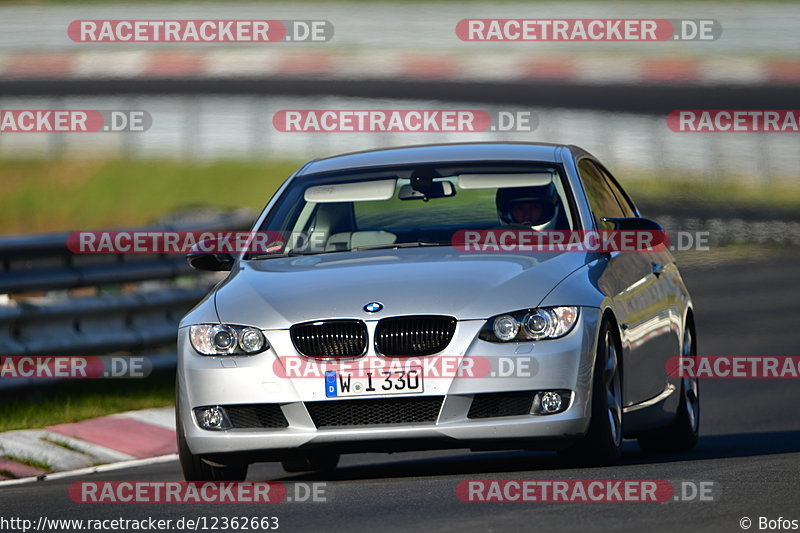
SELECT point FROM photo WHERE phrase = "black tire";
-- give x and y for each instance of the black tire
(682, 434)
(194, 467)
(602, 444)
(315, 463)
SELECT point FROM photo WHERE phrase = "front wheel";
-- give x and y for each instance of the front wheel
(194, 467)
(602, 444)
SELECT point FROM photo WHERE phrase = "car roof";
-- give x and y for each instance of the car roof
(440, 153)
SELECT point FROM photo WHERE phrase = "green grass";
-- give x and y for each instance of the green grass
(38, 196)
(64, 445)
(695, 190)
(61, 195)
(70, 401)
(29, 462)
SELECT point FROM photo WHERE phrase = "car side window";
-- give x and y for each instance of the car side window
(601, 198)
(627, 207)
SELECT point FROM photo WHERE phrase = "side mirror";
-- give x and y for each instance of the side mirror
(200, 259)
(655, 235)
(633, 224)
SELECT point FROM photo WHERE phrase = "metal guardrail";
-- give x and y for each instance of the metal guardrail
(43, 262)
(136, 304)
(97, 324)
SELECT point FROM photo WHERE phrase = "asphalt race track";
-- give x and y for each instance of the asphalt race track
(750, 447)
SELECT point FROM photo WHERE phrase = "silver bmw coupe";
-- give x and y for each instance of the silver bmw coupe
(396, 303)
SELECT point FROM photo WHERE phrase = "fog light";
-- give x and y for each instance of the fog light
(550, 402)
(212, 418)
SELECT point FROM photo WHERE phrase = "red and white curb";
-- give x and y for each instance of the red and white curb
(574, 68)
(98, 444)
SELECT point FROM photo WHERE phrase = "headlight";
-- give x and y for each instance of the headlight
(530, 324)
(505, 327)
(251, 340)
(222, 339)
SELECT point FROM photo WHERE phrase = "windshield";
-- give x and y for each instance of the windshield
(413, 206)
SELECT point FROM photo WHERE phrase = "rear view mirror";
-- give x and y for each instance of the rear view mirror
(437, 189)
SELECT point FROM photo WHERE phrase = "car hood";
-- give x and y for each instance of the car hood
(276, 293)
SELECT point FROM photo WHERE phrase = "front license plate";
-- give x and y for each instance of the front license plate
(343, 384)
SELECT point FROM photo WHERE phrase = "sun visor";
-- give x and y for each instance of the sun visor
(359, 191)
(502, 181)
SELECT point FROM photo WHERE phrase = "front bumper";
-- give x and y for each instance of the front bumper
(560, 364)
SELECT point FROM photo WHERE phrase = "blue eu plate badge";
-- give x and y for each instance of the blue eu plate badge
(331, 389)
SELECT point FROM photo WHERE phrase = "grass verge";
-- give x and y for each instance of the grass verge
(61, 195)
(73, 401)
(29, 462)
(695, 190)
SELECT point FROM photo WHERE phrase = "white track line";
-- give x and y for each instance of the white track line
(92, 470)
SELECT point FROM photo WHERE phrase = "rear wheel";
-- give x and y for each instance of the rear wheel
(682, 434)
(314, 463)
(603, 441)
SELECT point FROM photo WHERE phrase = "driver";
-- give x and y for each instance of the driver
(537, 207)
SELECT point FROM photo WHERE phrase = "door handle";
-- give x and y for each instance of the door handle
(658, 269)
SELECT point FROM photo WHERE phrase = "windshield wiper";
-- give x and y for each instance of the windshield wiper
(267, 256)
(415, 244)
(294, 253)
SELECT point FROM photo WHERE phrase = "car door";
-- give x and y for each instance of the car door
(633, 287)
(668, 331)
